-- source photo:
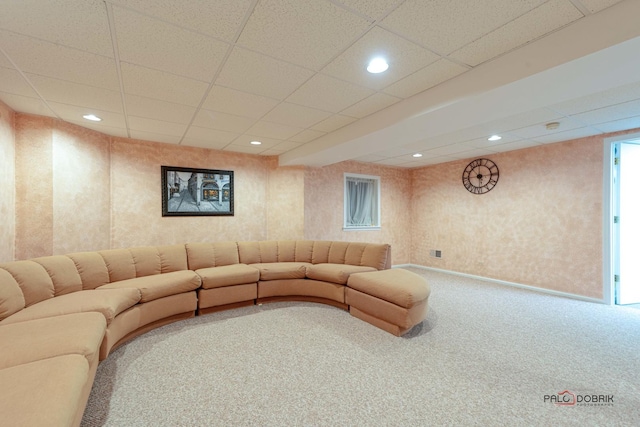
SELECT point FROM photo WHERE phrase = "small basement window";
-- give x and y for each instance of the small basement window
(361, 202)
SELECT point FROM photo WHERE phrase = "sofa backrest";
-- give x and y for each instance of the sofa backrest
(316, 252)
(204, 255)
(112, 265)
(32, 282)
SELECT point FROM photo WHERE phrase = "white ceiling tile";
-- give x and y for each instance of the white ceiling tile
(64, 92)
(394, 161)
(567, 135)
(478, 152)
(81, 24)
(610, 113)
(334, 122)
(395, 152)
(517, 121)
(446, 150)
(155, 44)
(536, 23)
(306, 33)
(307, 135)
(597, 5)
(159, 110)
(220, 18)
(245, 141)
(403, 57)
(160, 85)
(618, 125)
(73, 113)
(236, 148)
(156, 126)
(4, 62)
(373, 9)
(53, 60)
(446, 25)
(222, 121)
(518, 145)
(425, 78)
(266, 129)
(107, 130)
(370, 105)
(261, 75)
(370, 158)
(199, 137)
(597, 100)
(156, 137)
(272, 152)
(25, 104)
(540, 130)
(11, 81)
(328, 94)
(296, 115)
(203, 143)
(238, 103)
(287, 145)
(489, 145)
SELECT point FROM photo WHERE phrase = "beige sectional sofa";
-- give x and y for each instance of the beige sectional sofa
(60, 315)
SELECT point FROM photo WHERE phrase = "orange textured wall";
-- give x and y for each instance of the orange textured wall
(81, 190)
(135, 195)
(541, 225)
(34, 186)
(324, 206)
(8, 183)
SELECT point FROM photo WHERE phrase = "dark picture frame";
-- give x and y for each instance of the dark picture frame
(196, 192)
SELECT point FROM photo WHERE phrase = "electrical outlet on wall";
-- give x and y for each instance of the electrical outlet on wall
(435, 253)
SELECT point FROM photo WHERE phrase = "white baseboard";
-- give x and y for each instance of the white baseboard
(504, 282)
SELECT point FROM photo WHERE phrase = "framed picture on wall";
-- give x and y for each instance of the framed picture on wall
(196, 192)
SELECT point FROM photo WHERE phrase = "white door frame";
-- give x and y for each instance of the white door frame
(608, 270)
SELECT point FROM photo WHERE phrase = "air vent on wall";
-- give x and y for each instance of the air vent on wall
(435, 253)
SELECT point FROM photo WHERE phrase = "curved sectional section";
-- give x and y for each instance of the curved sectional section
(87, 304)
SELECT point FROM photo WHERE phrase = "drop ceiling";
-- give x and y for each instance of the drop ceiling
(292, 73)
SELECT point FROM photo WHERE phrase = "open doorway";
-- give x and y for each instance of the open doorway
(625, 221)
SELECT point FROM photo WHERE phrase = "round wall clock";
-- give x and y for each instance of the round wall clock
(480, 176)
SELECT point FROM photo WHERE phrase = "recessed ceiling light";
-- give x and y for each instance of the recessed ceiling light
(417, 155)
(92, 117)
(552, 125)
(377, 65)
(256, 143)
(495, 138)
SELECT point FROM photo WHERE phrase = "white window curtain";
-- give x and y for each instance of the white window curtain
(361, 201)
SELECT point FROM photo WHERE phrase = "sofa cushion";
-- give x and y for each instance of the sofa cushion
(119, 263)
(11, 296)
(108, 302)
(63, 273)
(335, 273)
(92, 269)
(159, 285)
(79, 333)
(396, 285)
(173, 258)
(48, 392)
(35, 283)
(204, 255)
(320, 252)
(146, 260)
(249, 252)
(282, 270)
(228, 275)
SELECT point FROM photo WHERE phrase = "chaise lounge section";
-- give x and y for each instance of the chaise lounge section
(62, 314)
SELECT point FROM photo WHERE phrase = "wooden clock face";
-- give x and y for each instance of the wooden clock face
(480, 176)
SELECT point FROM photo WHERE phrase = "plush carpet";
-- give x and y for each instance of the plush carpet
(486, 355)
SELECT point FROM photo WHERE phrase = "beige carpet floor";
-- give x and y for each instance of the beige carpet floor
(487, 355)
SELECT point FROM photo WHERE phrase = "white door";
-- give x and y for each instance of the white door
(628, 217)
